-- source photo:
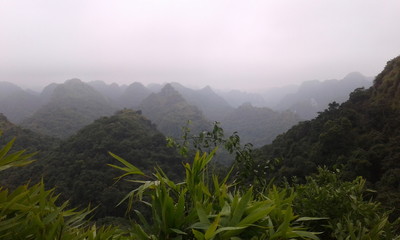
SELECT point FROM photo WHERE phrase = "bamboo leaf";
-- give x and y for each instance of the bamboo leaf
(129, 167)
(210, 233)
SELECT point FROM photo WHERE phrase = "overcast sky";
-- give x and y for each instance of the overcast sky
(232, 44)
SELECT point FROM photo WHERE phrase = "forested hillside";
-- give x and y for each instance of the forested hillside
(27, 140)
(78, 167)
(360, 137)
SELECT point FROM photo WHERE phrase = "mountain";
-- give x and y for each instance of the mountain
(111, 91)
(71, 106)
(47, 92)
(275, 95)
(258, 125)
(7, 88)
(236, 98)
(360, 137)
(170, 112)
(155, 87)
(314, 96)
(214, 107)
(78, 167)
(133, 95)
(16, 103)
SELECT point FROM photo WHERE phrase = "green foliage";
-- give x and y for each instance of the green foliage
(205, 141)
(349, 213)
(31, 212)
(209, 208)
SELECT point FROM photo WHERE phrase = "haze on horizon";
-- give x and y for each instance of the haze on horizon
(227, 44)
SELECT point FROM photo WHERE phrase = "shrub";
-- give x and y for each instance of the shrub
(350, 215)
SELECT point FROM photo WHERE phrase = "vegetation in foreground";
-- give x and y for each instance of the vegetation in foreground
(202, 206)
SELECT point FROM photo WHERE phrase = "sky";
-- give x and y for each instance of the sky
(249, 45)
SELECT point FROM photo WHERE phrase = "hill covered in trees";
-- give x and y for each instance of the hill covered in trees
(78, 166)
(360, 137)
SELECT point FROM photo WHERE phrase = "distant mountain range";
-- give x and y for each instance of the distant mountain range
(314, 96)
(60, 110)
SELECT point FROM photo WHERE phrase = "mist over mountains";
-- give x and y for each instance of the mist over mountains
(60, 110)
(314, 96)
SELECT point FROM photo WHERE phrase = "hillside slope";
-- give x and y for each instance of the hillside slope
(361, 137)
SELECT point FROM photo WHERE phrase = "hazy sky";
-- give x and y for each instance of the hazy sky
(246, 44)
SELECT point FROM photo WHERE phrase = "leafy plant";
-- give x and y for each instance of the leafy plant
(350, 215)
(209, 208)
(246, 170)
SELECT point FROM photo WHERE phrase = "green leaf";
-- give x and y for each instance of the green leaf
(210, 233)
(198, 235)
(129, 168)
(178, 231)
